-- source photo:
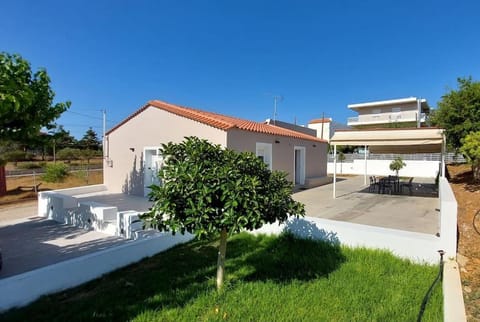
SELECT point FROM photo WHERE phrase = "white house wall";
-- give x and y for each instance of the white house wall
(150, 128)
(283, 152)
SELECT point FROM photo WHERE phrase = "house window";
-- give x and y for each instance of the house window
(264, 152)
(376, 111)
(396, 109)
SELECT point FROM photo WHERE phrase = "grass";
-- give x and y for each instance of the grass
(268, 279)
(74, 179)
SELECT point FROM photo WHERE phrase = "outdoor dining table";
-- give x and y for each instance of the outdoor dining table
(392, 183)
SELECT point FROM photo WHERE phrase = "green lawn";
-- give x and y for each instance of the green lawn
(268, 279)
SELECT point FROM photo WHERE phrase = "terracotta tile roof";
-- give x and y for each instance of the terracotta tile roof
(219, 121)
(324, 120)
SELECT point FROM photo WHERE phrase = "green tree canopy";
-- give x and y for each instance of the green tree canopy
(209, 190)
(26, 104)
(459, 112)
(90, 140)
(471, 149)
(26, 99)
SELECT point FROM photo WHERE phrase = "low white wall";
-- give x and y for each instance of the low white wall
(24, 288)
(413, 168)
(415, 246)
(448, 219)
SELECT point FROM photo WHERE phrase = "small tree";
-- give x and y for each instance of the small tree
(69, 154)
(90, 140)
(471, 150)
(208, 190)
(397, 164)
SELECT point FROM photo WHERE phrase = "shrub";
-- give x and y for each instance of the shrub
(397, 164)
(29, 165)
(55, 172)
(69, 154)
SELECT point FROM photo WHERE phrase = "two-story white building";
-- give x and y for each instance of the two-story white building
(403, 112)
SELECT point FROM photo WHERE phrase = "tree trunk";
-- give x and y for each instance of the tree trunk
(476, 170)
(221, 258)
(3, 181)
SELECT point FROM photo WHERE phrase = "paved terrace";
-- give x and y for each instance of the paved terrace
(355, 204)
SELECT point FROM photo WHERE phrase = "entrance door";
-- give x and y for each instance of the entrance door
(153, 164)
(299, 165)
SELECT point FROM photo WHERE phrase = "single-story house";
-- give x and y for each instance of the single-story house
(132, 156)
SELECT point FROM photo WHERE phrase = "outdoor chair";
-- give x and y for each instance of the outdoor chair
(374, 184)
(408, 185)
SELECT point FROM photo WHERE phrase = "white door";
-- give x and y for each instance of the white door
(153, 164)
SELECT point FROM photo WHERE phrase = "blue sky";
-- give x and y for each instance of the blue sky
(232, 57)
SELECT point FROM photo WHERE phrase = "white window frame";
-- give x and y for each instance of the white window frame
(264, 150)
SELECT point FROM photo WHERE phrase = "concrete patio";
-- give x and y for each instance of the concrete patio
(355, 204)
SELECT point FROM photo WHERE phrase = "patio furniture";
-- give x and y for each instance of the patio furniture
(374, 184)
(408, 184)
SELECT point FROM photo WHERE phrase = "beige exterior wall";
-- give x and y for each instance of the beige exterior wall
(318, 128)
(283, 152)
(150, 128)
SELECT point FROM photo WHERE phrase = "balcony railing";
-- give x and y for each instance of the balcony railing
(382, 118)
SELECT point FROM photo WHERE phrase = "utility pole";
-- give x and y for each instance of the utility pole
(323, 120)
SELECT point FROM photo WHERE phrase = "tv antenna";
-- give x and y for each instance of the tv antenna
(276, 99)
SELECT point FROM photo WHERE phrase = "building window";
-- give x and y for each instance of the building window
(396, 109)
(264, 152)
(376, 111)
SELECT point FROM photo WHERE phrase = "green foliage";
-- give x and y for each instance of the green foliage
(397, 164)
(273, 278)
(69, 154)
(26, 99)
(30, 165)
(471, 150)
(90, 140)
(55, 172)
(341, 156)
(206, 189)
(15, 156)
(62, 138)
(459, 112)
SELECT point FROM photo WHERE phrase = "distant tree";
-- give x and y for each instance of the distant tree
(69, 154)
(459, 112)
(26, 103)
(62, 138)
(471, 149)
(209, 190)
(397, 165)
(90, 140)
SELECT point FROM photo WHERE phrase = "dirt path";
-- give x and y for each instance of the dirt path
(10, 212)
(468, 198)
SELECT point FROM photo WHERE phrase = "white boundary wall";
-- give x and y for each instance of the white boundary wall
(19, 290)
(423, 169)
(415, 246)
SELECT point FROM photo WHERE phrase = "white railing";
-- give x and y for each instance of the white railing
(449, 157)
(409, 116)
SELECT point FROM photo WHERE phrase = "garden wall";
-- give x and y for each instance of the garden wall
(19, 290)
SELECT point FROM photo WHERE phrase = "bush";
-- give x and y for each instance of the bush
(69, 154)
(55, 172)
(29, 165)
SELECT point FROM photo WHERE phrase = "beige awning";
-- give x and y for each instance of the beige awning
(422, 140)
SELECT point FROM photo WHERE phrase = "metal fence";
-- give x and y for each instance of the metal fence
(30, 172)
(449, 157)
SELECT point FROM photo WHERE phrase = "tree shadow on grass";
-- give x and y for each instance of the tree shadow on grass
(178, 276)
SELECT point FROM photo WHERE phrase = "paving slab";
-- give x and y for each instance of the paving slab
(355, 203)
(34, 242)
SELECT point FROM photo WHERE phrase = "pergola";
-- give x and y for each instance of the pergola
(397, 140)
